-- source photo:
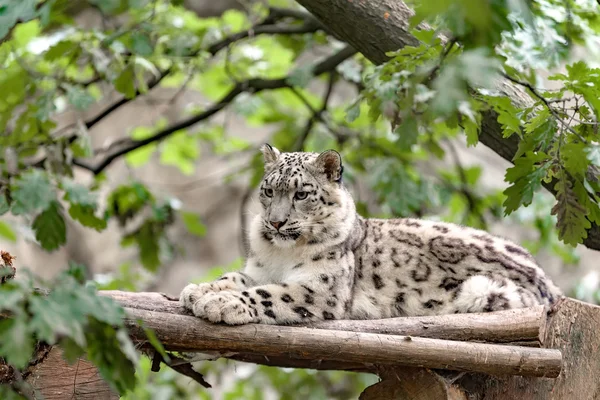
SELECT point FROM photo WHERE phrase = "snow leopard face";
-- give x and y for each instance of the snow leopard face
(302, 197)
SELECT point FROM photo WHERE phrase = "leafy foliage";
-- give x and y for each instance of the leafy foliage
(73, 316)
(397, 137)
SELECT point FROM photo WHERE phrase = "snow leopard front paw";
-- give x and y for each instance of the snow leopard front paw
(224, 306)
(192, 292)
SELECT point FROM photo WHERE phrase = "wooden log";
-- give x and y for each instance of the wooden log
(517, 326)
(186, 333)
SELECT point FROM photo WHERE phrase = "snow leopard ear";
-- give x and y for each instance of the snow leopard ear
(330, 163)
(270, 155)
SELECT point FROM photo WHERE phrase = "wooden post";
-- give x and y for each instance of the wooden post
(55, 379)
(573, 329)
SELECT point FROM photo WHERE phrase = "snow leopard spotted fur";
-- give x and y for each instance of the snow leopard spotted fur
(312, 257)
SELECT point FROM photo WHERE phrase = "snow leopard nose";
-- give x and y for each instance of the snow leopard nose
(277, 224)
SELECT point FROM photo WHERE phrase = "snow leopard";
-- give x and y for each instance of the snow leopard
(312, 257)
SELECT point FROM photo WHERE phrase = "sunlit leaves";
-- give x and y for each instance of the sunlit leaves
(539, 133)
(7, 232)
(180, 150)
(476, 24)
(193, 223)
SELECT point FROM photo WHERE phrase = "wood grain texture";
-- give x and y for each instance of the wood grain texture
(55, 379)
(411, 384)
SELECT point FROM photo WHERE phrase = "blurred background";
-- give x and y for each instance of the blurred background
(197, 187)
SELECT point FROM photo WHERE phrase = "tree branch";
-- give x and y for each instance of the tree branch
(374, 28)
(251, 85)
(267, 26)
(345, 345)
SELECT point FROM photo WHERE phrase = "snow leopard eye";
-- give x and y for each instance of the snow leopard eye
(301, 195)
(269, 192)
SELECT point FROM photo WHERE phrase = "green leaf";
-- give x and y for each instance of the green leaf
(32, 192)
(7, 233)
(526, 175)
(539, 133)
(570, 211)
(107, 6)
(471, 128)
(193, 223)
(16, 341)
(13, 11)
(71, 350)
(301, 76)
(79, 97)
(125, 82)
(49, 227)
(4, 205)
(52, 319)
(105, 350)
(407, 132)
(25, 32)
(61, 49)
(151, 336)
(86, 216)
(147, 238)
(508, 114)
(79, 194)
(574, 158)
(353, 112)
(141, 44)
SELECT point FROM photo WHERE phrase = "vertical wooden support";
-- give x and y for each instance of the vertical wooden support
(55, 379)
(411, 384)
(573, 328)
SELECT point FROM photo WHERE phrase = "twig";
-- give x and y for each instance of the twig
(316, 114)
(184, 368)
(546, 103)
(307, 27)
